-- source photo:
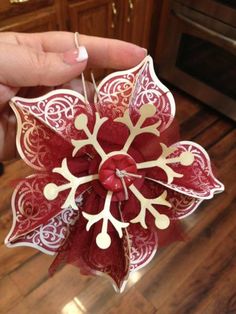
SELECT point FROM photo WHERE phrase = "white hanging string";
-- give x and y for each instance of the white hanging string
(121, 174)
(76, 37)
(96, 90)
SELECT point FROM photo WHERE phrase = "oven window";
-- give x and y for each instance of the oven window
(208, 63)
(230, 3)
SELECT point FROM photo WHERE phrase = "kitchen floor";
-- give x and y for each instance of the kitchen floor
(195, 276)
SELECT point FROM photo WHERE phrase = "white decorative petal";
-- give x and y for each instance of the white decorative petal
(197, 179)
(130, 89)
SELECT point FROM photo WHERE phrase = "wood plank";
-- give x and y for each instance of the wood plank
(197, 124)
(9, 294)
(12, 171)
(222, 298)
(11, 258)
(5, 224)
(223, 152)
(29, 269)
(214, 133)
(196, 274)
(20, 308)
(133, 303)
(170, 270)
(186, 107)
(99, 297)
(56, 292)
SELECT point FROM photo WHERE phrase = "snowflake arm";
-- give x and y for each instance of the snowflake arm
(146, 111)
(81, 123)
(161, 221)
(103, 239)
(51, 190)
(185, 159)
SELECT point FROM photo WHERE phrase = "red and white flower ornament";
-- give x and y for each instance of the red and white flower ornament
(111, 182)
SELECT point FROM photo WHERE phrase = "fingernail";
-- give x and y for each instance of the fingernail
(145, 51)
(75, 56)
(141, 52)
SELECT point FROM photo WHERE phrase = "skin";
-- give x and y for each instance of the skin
(38, 61)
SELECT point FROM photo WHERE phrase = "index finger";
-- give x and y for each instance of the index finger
(103, 52)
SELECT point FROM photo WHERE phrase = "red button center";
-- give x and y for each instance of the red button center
(116, 171)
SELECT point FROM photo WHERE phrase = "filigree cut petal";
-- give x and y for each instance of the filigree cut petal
(143, 246)
(35, 222)
(82, 251)
(195, 179)
(55, 109)
(133, 88)
(115, 92)
(46, 123)
(181, 205)
(149, 90)
(32, 139)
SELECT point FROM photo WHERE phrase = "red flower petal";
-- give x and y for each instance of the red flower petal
(38, 145)
(197, 179)
(37, 222)
(148, 89)
(115, 92)
(82, 251)
(133, 88)
(144, 243)
(182, 205)
(46, 122)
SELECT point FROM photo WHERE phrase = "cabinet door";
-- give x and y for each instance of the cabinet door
(31, 23)
(9, 10)
(95, 18)
(137, 21)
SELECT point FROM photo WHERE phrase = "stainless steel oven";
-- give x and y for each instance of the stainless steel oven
(199, 54)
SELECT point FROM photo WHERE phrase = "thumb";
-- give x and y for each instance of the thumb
(23, 66)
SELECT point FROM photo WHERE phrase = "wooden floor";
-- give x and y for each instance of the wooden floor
(196, 276)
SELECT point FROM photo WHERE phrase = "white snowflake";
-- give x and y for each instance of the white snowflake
(162, 221)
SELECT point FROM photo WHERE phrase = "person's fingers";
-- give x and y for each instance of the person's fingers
(103, 52)
(111, 53)
(23, 66)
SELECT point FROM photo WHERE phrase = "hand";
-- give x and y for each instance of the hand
(51, 59)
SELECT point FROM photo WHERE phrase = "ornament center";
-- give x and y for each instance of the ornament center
(118, 172)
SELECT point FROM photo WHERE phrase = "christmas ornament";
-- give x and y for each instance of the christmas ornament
(112, 179)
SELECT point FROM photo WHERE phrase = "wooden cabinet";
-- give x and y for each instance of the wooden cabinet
(45, 20)
(96, 18)
(92, 17)
(137, 21)
(9, 10)
(129, 20)
(30, 16)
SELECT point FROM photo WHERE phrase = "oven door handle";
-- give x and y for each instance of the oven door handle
(226, 39)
